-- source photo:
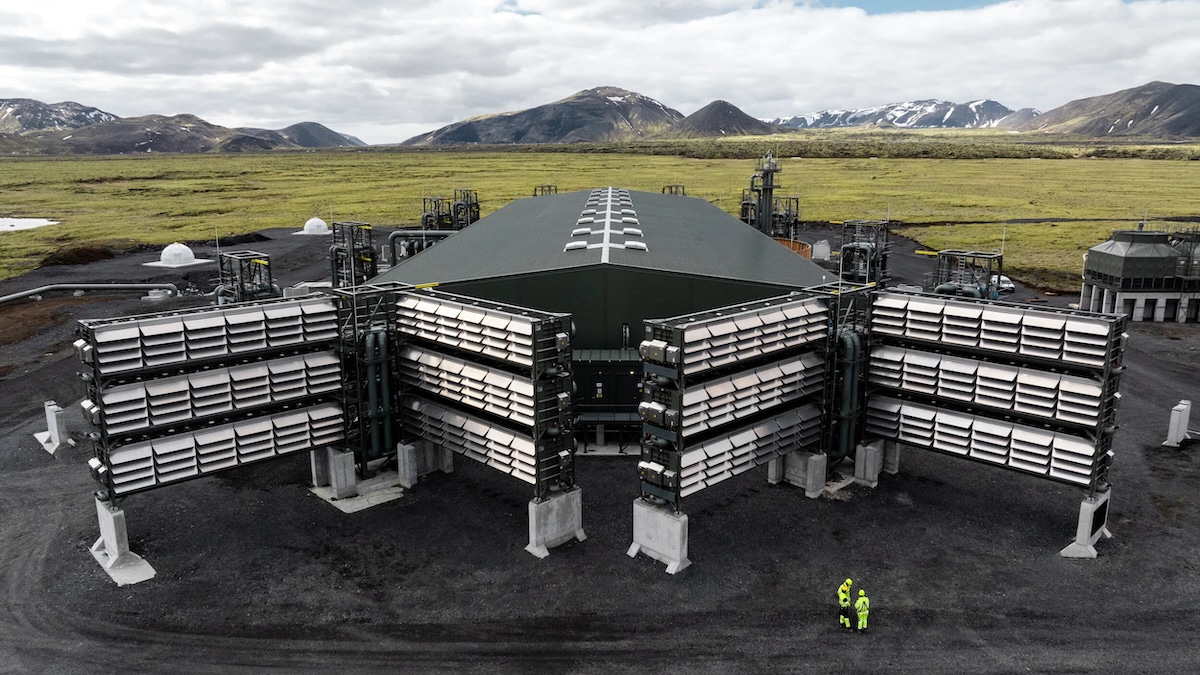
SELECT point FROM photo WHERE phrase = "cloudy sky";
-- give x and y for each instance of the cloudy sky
(385, 70)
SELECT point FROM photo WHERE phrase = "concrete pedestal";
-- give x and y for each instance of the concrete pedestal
(55, 436)
(418, 459)
(804, 470)
(342, 478)
(868, 463)
(891, 457)
(1177, 431)
(661, 534)
(318, 461)
(555, 521)
(1093, 525)
(111, 550)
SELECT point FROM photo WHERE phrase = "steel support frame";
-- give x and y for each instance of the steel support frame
(352, 254)
(665, 447)
(245, 276)
(368, 343)
(95, 382)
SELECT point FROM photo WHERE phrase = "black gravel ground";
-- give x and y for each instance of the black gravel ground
(960, 559)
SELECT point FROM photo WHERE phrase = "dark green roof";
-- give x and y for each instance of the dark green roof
(643, 230)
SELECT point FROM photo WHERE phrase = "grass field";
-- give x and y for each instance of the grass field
(959, 203)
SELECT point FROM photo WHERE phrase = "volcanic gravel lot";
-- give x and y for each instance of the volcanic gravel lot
(960, 559)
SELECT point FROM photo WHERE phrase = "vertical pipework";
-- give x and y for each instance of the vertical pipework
(386, 411)
(851, 348)
(372, 396)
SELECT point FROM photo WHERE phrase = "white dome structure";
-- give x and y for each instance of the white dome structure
(177, 255)
(314, 226)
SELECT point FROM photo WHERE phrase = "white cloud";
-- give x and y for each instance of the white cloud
(385, 70)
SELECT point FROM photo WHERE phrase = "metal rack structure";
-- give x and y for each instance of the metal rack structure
(969, 273)
(370, 388)
(245, 276)
(491, 382)
(352, 255)
(728, 390)
(179, 395)
(465, 209)
(1033, 390)
(865, 252)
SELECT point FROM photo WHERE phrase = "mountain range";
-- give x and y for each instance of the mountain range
(32, 127)
(1157, 109)
(924, 114)
(599, 115)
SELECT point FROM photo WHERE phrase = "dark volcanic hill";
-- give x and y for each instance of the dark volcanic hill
(1154, 109)
(157, 133)
(307, 135)
(29, 127)
(717, 119)
(593, 115)
(1018, 118)
(25, 115)
(923, 114)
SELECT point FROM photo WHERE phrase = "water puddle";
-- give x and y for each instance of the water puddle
(10, 224)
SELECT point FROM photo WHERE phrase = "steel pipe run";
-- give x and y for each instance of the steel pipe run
(413, 234)
(385, 393)
(851, 347)
(90, 287)
(373, 396)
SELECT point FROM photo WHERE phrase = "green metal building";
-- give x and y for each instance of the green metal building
(611, 258)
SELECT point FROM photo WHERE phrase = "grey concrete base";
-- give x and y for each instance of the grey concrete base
(318, 461)
(1177, 431)
(342, 479)
(111, 550)
(661, 534)
(1093, 526)
(55, 437)
(891, 457)
(381, 488)
(804, 470)
(555, 521)
(418, 459)
(868, 463)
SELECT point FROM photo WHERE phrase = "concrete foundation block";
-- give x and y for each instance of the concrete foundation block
(408, 465)
(868, 462)
(111, 550)
(775, 469)
(891, 457)
(555, 521)
(1177, 429)
(318, 461)
(342, 477)
(55, 436)
(661, 534)
(802, 469)
(435, 458)
(1093, 526)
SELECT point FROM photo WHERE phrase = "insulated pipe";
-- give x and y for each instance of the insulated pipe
(384, 377)
(413, 234)
(333, 270)
(851, 353)
(372, 396)
(89, 287)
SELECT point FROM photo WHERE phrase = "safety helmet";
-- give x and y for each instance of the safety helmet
(862, 592)
(848, 582)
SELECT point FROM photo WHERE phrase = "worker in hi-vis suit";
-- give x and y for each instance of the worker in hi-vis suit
(863, 607)
(844, 604)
